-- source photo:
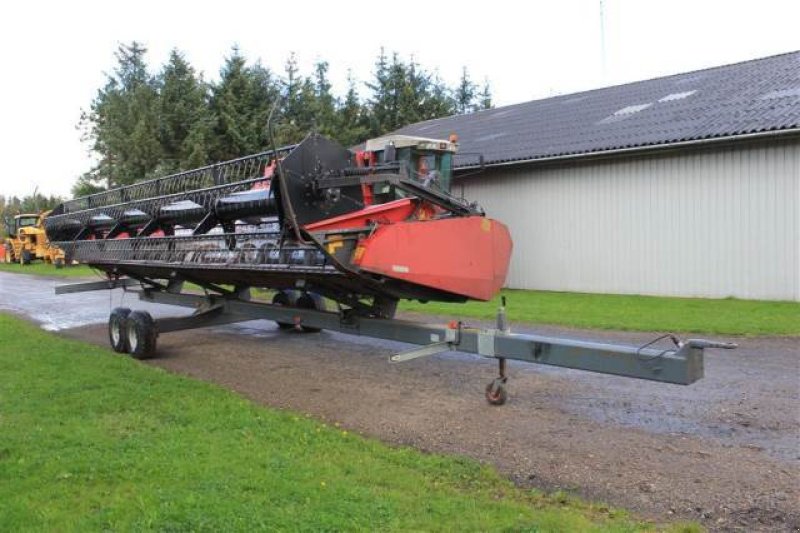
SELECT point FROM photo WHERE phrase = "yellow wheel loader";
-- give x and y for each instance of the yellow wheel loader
(27, 241)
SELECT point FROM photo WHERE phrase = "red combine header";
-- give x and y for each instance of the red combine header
(316, 222)
(378, 225)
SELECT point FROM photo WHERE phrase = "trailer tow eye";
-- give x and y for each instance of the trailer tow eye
(496, 393)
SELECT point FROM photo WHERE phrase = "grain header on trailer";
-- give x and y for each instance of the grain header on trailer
(315, 222)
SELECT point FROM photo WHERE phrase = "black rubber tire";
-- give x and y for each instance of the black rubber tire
(25, 257)
(59, 263)
(141, 334)
(117, 329)
(310, 301)
(284, 299)
(496, 395)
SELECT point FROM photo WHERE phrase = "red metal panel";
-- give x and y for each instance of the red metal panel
(387, 213)
(465, 255)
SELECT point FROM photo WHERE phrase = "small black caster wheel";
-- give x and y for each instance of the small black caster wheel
(496, 393)
(117, 331)
(283, 299)
(142, 334)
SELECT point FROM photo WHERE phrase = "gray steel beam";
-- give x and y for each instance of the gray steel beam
(96, 285)
(682, 365)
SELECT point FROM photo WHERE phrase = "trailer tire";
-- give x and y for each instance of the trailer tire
(142, 334)
(283, 299)
(117, 329)
(310, 301)
(25, 257)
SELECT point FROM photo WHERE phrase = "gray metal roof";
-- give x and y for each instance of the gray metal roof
(753, 96)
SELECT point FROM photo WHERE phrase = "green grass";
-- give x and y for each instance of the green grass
(43, 269)
(638, 313)
(92, 440)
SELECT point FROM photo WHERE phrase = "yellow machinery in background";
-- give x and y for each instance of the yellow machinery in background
(27, 241)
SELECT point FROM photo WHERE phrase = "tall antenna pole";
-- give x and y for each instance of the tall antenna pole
(603, 41)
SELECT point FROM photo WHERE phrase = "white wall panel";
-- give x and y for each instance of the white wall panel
(714, 223)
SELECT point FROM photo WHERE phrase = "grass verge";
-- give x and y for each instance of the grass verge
(96, 441)
(635, 313)
(44, 269)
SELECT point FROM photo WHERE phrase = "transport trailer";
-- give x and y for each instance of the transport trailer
(315, 223)
(666, 359)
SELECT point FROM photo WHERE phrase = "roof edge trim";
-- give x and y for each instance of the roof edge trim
(634, 149)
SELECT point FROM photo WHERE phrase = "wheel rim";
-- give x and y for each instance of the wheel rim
(133, 339)
(115, 333)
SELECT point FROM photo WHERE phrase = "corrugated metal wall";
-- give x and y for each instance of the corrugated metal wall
(714, 223)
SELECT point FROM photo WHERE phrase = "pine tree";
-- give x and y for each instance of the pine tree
(381, 105)
(290, 129)
(183, 112)
(195, 148)
(264, 91)
(409, 87)
(439, 101)
(353, 125)
(122, 123)
(404, 93)
(485, 97)
(325, 103)
(85, 185)
(465, 94)
(232, 107)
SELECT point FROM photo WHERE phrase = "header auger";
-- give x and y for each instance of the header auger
(315, 221)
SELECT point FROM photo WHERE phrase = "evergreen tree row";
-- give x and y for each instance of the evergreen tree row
(142, 125)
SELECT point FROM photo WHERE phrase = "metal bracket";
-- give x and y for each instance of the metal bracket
(486, 338)
(452, 338)
(96, 285)
(208, 314)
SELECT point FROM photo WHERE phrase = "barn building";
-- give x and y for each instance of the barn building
(687, 185)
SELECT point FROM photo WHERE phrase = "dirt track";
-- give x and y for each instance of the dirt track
(725, 451)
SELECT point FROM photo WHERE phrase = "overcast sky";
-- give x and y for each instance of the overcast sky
(54, 54)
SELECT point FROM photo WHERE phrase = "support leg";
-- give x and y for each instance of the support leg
(496, 393)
